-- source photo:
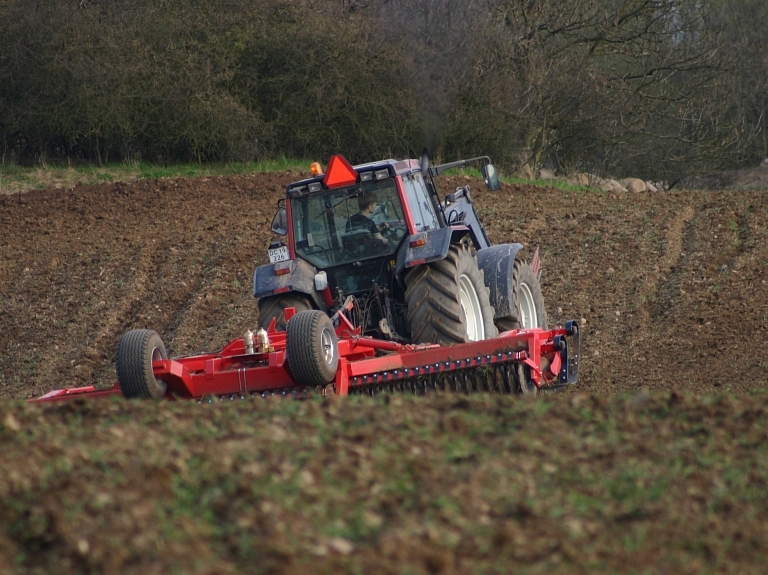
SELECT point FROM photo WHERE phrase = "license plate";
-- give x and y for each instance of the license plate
(278, 254)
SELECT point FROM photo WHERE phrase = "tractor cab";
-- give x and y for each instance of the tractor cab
(351, 222)
(348, 225)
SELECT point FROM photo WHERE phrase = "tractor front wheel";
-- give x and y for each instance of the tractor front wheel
(448, 301)
(313, 352)
(136, 351)
(274, 307)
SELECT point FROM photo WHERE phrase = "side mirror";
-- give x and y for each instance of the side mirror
(491, 177)
(280, 222)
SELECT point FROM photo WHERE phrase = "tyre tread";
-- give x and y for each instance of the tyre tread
(304, 352)
(274, 306)
(432, 295)
(133, 364)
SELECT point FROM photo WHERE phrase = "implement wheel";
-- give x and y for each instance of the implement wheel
(448, 301)
(136, 351)
(313, 352)
(528, 309)
(274, 307)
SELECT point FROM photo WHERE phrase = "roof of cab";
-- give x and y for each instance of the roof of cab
(398, 166)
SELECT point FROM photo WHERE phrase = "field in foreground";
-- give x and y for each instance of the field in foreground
(440, 484)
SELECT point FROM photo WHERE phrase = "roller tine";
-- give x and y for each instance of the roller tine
(505, 378)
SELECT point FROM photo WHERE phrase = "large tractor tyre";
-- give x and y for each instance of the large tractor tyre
(136, 351)
(448, 301)
(312, 349)
(528, 306)
(274, 307)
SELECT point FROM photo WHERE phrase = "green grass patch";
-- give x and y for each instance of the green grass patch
(559, 184)
(15, 178)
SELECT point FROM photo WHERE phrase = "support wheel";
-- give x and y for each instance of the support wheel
(313, 352)
(274, 306)
(448, 301)
(528, 309)
(136, 351)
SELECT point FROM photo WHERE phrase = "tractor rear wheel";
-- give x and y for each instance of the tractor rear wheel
(136, 351)
(313, 352)
(528, 307)
(448, 301)
(274, 307)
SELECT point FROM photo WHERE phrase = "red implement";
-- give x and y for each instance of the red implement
(533, 357)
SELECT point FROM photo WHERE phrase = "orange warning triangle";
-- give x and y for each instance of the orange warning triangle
(339, 173)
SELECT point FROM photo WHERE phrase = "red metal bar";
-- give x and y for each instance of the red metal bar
(289, 217)
(406, 206)
(88, 391)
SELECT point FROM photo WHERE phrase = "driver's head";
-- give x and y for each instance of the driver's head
(366, 200)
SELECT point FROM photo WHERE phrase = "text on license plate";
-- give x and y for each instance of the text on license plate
(278, 254)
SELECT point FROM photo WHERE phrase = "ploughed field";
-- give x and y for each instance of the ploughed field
(604, 478)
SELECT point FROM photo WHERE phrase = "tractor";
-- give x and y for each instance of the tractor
(417, 267)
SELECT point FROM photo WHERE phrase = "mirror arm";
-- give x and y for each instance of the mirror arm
(437, 170)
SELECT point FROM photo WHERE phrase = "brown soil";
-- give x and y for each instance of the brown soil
(672, 286)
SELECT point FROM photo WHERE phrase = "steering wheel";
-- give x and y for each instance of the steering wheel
(394, 229)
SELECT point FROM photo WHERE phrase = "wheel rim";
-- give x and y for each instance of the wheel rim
(470, 309)
(157, 355)
(528, 317)
(329, 350)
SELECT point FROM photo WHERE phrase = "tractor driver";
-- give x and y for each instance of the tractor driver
(366, 203)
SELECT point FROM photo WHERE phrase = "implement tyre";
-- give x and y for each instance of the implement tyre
(448, 301)
(274, 307)
(528, 302)
(313, 352)
(136, 351)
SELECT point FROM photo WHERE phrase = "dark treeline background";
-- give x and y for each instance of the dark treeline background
(655, 88)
